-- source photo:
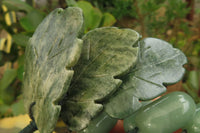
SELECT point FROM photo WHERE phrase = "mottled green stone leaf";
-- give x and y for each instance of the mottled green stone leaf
(116, 109)
(50, 54)
(107, 54)
(159, 63)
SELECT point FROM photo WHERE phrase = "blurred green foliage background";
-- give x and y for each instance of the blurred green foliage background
(176, 21)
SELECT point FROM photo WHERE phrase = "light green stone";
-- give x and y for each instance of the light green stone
(158, 63)
(103, 123)
(51, 52)
(164, 115)
(193, 126)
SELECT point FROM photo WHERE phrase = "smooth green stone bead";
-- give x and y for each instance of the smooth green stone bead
(103, 123)
(164, 115)
(194, 125)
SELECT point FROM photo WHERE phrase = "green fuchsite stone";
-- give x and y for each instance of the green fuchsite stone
(165, 115)
(194, 125)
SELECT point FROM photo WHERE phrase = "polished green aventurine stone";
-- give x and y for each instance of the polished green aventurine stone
(194, 125)
(103, 123)
(164, 115)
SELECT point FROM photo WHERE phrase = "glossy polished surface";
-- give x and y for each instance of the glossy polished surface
(194, 125)
(103, 123)
(164, 115)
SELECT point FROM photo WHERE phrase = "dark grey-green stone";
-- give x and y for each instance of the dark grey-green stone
(107, 54)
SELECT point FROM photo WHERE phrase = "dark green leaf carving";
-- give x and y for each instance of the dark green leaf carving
(107, 54)
(159, 63)
(50, 54)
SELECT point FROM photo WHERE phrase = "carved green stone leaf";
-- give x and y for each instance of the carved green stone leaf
(50, 54)
(107, 54)
(159, 63)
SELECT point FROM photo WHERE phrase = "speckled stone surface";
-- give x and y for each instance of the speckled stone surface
(52, 51)
(158, 63)
(107, 54)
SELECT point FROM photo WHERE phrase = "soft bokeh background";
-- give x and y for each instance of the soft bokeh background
(176, 21)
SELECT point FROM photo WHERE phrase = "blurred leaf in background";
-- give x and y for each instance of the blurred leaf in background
(31, 20)
(20, 39)
(18, 22)
(18, 108)
(17, 5)
(93, 17)
(107, 20)
(6, 95)
(192, 85)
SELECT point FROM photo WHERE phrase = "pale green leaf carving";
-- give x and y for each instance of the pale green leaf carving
(159, 63)
(50, 54)
(107, 54)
